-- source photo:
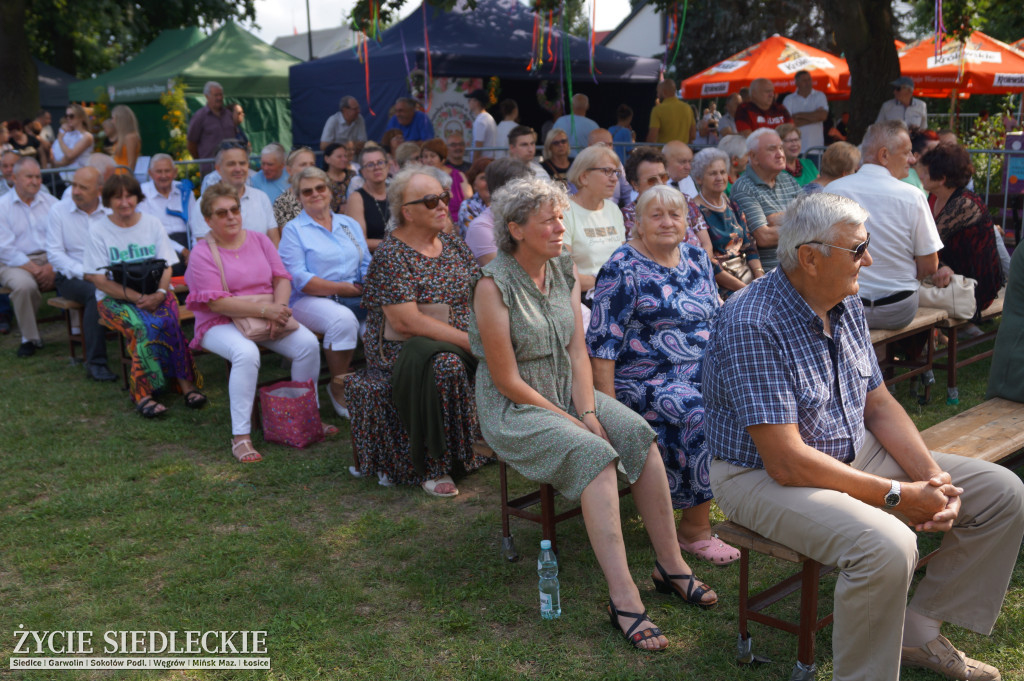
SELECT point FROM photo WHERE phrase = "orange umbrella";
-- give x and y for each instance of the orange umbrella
(979, 66)
(1019, 45)
(777, 59)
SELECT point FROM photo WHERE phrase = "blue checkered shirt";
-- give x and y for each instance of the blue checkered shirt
(769, 361)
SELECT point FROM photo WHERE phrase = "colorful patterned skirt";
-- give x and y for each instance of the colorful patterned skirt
(156, 343)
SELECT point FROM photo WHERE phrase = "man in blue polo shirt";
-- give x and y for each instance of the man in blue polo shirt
(813, 452)
(415, 125)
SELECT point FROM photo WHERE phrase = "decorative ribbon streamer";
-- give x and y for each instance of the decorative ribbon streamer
(940, 28)
(366, 65)
(533, 43)
(551, 18)
(405, 54)
(429, 85)
(567, 63)
(679, 29)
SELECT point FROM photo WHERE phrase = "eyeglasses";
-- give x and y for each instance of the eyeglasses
(373, 165)
(553, 143)
(222, 213)
(69, 115)
(309, 191)
(430, 201)
(858, 251)
(608, 172)
(655, 180)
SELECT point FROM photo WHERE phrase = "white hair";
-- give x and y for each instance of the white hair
(815, 217)
(208, 88)
(734, 145)
(754, 140)
(275, 149)
(160, 157)
(703, 160)
(885, 134)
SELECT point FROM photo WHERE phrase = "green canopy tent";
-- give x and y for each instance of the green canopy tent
(252, 73)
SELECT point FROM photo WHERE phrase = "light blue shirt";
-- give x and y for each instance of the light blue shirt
(272, 188)
(583, 125)
(308, 250)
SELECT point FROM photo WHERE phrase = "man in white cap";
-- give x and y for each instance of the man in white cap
(903, 106)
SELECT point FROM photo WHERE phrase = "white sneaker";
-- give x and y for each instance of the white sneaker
(383, 480)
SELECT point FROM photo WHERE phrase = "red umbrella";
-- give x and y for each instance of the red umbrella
(777, 59)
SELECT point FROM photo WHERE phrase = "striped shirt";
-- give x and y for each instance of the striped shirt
(757, 201)
(768, 361)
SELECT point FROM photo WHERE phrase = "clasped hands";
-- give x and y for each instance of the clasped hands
(278, 315)
(930, 505)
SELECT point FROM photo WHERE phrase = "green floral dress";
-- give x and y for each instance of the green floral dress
(538, 443)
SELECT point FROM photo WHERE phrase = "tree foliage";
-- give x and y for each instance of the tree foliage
(1001, 20)
(87, 37)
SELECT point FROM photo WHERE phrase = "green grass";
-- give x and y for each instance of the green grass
(112, 522)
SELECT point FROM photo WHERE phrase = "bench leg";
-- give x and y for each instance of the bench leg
(808, 615)
(744, 651)
(547, 515)
(508, 544)
(952, 394)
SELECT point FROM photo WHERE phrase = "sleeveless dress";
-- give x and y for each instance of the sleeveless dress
(538, 443)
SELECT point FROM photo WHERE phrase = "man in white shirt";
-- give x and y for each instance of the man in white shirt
(809, 109)
(67, 235)
(345, 126)
(903, 106)
(678, 161)
(23, 265)
(165, 201)
(257, 211)
(485, 130)
(522, 146)
(904, 240)
(7, 161)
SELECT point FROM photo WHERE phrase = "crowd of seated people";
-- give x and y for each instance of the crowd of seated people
(560, 307)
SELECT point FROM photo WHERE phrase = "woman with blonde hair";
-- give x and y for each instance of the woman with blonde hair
(71, 148)
(556, 156)
(128, 145)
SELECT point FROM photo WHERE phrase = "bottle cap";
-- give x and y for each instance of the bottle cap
(545, 544)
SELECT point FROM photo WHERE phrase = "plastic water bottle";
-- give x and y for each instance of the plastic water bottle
(547, 568)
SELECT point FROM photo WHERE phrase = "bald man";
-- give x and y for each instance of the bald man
(67, 234)
(678, 161)
(672, 118)
(576, 125)
(761, 111)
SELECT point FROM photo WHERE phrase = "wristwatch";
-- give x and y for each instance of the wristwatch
(893, 497)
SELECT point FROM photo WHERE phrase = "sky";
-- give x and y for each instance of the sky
(277, 18)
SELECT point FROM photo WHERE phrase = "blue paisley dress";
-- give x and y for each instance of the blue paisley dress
(654, 322)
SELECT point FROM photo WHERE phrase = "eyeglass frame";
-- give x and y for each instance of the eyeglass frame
(858, 251)
(444, 197)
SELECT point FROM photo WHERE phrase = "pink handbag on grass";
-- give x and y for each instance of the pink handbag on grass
(290, 413)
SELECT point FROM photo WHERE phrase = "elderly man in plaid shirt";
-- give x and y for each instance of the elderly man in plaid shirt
(813, 452)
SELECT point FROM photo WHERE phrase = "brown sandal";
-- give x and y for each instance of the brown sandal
(247, 453)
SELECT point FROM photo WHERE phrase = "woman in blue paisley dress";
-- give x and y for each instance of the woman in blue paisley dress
(654, 302)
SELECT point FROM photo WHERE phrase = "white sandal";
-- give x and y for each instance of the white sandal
(248, 454)
(430, 487)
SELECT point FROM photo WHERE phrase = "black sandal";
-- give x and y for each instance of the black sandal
(147, 406)
(693, 593)
(197, 403)
(635, 639)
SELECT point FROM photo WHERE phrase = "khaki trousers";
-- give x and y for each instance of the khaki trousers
(25, 295)
(876, 552)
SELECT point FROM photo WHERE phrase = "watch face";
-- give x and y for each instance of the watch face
(892, 498)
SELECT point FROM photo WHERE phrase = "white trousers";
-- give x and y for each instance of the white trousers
(228, 342)
(337, 323)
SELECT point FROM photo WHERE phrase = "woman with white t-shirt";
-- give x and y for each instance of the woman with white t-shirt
(148, 321)
(593, 224)
(70, 150)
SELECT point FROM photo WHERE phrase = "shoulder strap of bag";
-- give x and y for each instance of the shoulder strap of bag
(351, 237)
(216, 259)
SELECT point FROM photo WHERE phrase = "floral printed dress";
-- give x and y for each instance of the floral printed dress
(654, 323)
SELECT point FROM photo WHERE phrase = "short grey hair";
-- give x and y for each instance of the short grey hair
(815, 217)
(882, 135)
(208, 88)
(101, 162)
(346, 101)
(517, 201)
(275, 148)
(589, 158)
(160, 157)
(734, 145)
(396, 190)
(408, 101)
(225, 150)
(662, 195)
(703, 160)
(307, 173)
(754, 140)
(24, 161)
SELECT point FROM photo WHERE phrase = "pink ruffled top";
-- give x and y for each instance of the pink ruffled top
(249, 270)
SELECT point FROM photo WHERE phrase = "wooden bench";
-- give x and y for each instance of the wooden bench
(949, 360)
(73, 338)
(924, 323)
(991, 431)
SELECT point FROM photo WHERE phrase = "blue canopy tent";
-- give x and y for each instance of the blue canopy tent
(495, 39)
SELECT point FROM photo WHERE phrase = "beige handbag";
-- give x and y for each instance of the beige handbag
(739, 268)
(957, 299)
(255, 329)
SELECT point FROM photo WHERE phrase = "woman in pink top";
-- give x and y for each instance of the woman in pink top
(251, 266)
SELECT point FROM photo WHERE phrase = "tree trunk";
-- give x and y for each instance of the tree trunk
(19, 79)
(863, 31)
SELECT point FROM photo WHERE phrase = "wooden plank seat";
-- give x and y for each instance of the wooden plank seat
(949, 359)
(883, 340)
(751, 605)
(74, 339)
(991, 431)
